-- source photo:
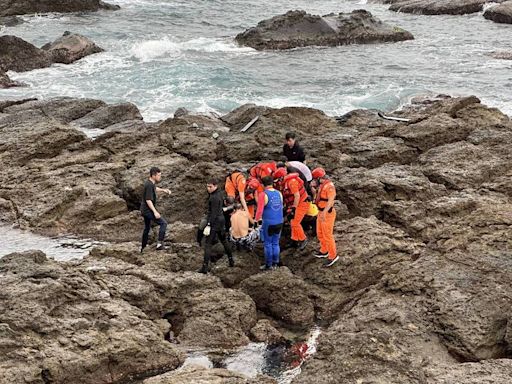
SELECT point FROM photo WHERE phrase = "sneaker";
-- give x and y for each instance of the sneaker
(204, 270)
(161, 247)
(275, 266)
(329, 263)
(231, 263)
(142, 250)
(303, 244)
(321, 255)
(265, 267)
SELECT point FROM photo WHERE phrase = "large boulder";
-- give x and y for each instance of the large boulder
(71, 47)
(108, 115)
(18, 55)
(60, 325)
(23, 7)
(438, 7)
(501, 13)
(282, 295)
(300, 29)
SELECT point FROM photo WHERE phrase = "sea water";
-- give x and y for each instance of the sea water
(162, 55)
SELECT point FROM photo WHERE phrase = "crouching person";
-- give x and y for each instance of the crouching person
(215, 227)
(272, 203)
(240, 234)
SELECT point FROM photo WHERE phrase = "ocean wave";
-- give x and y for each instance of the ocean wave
(152, 49)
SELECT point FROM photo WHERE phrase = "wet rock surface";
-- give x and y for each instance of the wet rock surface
(501, 13)
(421, 293)
(70, 48)
(437, 7)
(300, 29)
(194, 374)
(6, 82)
(19, 55)
(23, 7)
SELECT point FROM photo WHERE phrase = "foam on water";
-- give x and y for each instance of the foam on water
(165, 47)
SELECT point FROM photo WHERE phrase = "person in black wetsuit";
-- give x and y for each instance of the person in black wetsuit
(215, 227)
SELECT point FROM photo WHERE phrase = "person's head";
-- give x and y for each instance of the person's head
(290, 139)
(268, 181)
(238, 207)
(318, 175)
(212, 185)
(155, 174)
(230, 200)
(280, 173)
(252, 185)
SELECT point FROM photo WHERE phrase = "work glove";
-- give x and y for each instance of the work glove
(207, 230)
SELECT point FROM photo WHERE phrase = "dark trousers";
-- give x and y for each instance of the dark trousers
(148, 218)
(210, 240)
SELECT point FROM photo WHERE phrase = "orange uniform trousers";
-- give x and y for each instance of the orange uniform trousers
(297, 230)
(325, 233)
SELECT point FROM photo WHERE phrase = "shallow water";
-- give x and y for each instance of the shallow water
(259, 358)
(62, 249)
(165, 54)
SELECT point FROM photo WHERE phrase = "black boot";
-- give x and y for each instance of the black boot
(231, 261)
(204, 269)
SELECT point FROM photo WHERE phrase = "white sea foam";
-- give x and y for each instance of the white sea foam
(488, 5)
(166, 47)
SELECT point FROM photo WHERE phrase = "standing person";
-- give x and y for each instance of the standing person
(326, 193)
(292, 150)
(148, 208)
(215, 227)
(272, 222)
(297, 204)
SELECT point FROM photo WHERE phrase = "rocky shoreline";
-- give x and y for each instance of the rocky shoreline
(425, 221)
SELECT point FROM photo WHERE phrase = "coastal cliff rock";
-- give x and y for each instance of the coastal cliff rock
(421, 293)
(70, 48)
(300, 29)
(24, 7)
(501, 13)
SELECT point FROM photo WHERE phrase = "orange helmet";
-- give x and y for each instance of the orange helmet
(318, 173)
(253, 184)
(280, 173)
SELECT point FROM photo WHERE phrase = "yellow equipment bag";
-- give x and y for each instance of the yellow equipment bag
(313, 210)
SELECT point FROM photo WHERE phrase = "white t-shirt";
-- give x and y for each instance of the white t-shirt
(303, 168)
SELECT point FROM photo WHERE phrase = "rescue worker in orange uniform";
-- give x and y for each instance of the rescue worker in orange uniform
(325, 196)
(235, 187)
(264, 169)
(279, 176)
(297, 203)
